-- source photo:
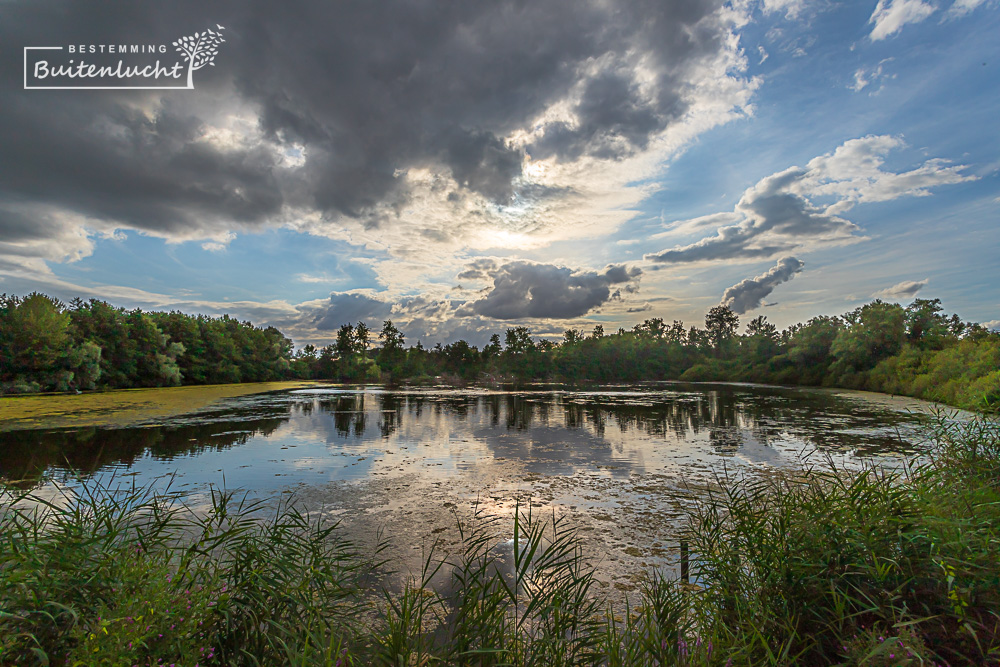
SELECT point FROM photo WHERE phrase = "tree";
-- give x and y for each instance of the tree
(926, 325)
(392, 340)
(492, 350)
(85, 363)
(876, 331)
(325, 366)
(571, 336)
(598, 332)
(761, 341)
(759, 326)
(518, 341)
(654, 327)
(34, 334)
(345, 341)
(699, 338)
(461, 358)
(362, 335)
(721, 324)
(392, 352)
(809, 345)
(676, 333)
(154, 356)
(304, 362)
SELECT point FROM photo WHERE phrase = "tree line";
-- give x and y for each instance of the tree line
(46, 345)
(917, 351)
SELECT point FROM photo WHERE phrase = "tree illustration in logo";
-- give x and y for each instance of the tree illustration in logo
(200, 49)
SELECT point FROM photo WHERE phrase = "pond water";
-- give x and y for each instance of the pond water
(621, 463)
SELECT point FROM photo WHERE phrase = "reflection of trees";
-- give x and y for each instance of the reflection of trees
(726, 414)
(518, 413)
(25, 456)
(348, 412)
(390, 419)
(493, 405)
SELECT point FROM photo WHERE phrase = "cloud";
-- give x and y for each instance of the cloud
(32, 232)
(901, 291)
(347, 308)
(963, 7)
(783, 212)
(750, 293)
(890, 16)
(480, 269)
(791, 8)
(774, 218)
(412, 126)
(992, 325)
(528, 290)
(864, 76)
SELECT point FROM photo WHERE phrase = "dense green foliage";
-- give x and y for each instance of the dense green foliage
(46, 345)
(816, 567)
(916, 351)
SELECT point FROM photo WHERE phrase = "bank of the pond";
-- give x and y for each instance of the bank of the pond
(869, 567)
(122, 407)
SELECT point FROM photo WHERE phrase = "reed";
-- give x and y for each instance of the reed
(821, 567)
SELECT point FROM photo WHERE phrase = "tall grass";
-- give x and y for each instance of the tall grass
(126, 576)
(820, 567)
(873, 567)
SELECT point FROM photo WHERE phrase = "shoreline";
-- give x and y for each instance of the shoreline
(133, 407)
(123, 407)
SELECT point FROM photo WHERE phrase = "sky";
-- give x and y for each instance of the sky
(466, 167)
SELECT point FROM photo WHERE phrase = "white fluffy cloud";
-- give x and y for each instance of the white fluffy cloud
(890, 16)
(791, 8)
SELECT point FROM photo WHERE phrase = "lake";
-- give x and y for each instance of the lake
(622, 464)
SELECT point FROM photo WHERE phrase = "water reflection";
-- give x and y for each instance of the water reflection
(26, 456)
(315, 435)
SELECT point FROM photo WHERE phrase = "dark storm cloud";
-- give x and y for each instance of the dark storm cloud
(614, 121)
(367, 90)
(349, 309)
(750, 293)
(111, 162)
(528, 290)
(21, 226)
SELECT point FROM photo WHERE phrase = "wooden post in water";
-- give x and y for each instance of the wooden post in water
(684, 562)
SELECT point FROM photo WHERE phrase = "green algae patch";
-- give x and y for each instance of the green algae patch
(123, 407)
